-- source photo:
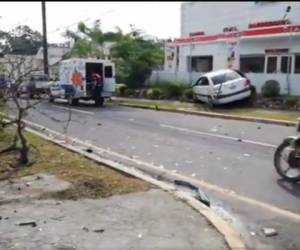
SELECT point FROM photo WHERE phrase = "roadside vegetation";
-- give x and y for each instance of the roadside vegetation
(88, 179)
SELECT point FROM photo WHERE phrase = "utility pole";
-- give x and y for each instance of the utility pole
(45, 44)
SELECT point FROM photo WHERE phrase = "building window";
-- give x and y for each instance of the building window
(297, 64)
(252, 64)
(202, 63)
(271, 64)
(286, 64)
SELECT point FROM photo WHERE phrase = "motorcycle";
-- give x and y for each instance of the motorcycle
(287, 157)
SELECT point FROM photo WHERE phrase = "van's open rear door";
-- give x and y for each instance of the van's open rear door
(109, 80)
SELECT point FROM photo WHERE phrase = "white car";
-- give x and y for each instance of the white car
(222, 86)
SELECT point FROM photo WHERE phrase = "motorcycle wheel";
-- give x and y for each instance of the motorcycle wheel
(278, 158)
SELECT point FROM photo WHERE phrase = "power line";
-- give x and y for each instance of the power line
(72, 24)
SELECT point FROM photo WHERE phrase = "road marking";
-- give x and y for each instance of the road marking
(221, 190)
(218, 136)
(74, 110)
(207, 185)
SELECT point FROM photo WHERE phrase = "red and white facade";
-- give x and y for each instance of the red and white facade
(258, 38)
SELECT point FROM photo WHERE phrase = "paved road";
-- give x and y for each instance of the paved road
(234, 156)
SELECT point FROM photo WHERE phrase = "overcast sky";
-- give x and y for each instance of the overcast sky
(161, 19)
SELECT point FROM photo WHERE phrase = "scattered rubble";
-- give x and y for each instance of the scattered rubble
(89, 150)
(269, 232)
(28, 223)
(98, 230)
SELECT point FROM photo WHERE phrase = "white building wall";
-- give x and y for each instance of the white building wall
(212, 17)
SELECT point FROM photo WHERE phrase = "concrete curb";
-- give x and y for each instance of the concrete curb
(212, 114)
(232, 238)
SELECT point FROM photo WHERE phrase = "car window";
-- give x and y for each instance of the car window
(203, 81)
(232, 76)
(218, 79)
(229, 76)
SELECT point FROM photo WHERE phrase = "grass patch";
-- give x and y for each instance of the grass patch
(253, 112)
(268, 114)
(89, 179)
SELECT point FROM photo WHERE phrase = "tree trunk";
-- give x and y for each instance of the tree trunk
(24, 148)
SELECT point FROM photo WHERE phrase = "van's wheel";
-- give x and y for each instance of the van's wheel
(72, 101)
(51, 99)
(99, 101)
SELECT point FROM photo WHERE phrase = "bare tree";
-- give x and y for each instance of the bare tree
(16, 69)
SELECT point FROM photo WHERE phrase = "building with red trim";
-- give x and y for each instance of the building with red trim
(262, 39)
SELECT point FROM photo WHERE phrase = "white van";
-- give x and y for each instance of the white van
(222, 86)
(75, 76)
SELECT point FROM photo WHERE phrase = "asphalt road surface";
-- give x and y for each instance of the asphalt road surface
(233, 158)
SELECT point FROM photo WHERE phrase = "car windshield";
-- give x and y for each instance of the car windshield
(229, 76)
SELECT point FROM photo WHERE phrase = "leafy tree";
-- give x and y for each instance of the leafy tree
(135, 57)
(20, 41)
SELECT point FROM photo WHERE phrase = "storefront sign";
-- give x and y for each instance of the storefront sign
(230, 29)
(268, 24)
(170, 53)
(233, 53)
(197, 33)
(276, 51)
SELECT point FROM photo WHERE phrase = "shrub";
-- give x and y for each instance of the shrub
(172, 89)
(153, 93)
(129, 92)
(291, 101)
(120, 89)
(188, 94)
(271, 88)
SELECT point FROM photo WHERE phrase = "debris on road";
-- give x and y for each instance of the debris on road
(140, 236)
(214, 129)
(259, 127)
(198, 194)
(246, 155)
(252, 233)
(89, 150)
(193, 174)
(98, 230)
(99, 124)
(28, 223)
(269, 232)
(85, 229)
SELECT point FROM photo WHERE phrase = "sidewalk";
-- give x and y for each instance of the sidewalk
(279, 117)
(145, 220)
